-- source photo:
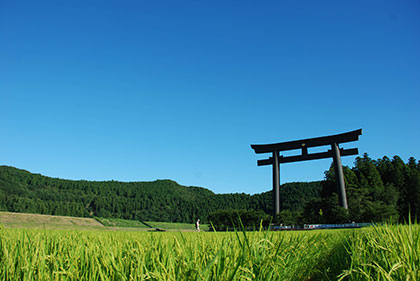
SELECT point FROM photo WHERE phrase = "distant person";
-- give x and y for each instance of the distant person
(197, 225)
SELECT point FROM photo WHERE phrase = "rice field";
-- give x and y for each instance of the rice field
(375, 253)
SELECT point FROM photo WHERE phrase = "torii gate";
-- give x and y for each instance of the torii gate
(335, 153)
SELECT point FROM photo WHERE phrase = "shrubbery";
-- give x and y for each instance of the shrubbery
(242, 219)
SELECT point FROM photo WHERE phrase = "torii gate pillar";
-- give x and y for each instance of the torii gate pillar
(339, 175)
(335, 153)
(276, 182)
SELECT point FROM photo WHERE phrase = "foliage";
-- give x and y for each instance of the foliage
(288, 217)
(126, 224)
(377, 190)
(378, 253)
(161, 200)
(231, 219)
(390, 252)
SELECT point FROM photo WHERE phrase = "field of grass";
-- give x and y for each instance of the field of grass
(170, 226)
(374, 253)
(21, 220)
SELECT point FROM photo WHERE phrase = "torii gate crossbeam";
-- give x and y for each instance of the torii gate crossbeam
(335, 153)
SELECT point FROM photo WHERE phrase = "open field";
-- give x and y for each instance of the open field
(374, 253)
(170, 226)
(22, 220)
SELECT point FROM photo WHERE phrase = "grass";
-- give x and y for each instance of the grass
(76, 255)
(22, 220)
(375, 253)
(121, 223)
(388, 252)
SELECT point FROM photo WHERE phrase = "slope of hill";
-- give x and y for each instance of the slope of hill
(9, 219)
(160, 200)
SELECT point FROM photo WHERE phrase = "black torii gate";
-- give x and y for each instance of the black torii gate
(335, 153)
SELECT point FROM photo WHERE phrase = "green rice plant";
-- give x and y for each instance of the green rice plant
(94, 255)
(31, 254)
(388, 252)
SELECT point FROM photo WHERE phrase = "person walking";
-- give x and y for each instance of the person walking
(197, 225)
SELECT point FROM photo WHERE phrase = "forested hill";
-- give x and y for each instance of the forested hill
(160, 200)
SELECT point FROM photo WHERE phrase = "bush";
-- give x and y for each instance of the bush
(230, 219)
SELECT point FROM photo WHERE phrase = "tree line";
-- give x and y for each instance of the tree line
(377, 190)
(160, 200)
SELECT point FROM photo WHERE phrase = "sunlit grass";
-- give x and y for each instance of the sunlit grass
(365, 254)
(390, 252)
(112, 222)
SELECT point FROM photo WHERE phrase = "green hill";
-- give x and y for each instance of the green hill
(377, 190)
(160, 200)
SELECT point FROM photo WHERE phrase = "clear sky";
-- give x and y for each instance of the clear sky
(145, 90)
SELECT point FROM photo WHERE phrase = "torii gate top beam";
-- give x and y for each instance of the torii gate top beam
(312, 142)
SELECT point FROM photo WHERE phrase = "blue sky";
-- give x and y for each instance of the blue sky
(145, 90)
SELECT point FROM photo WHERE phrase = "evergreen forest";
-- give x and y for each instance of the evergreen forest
(377, 190)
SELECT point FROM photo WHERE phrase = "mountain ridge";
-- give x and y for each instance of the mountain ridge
(159, 200)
